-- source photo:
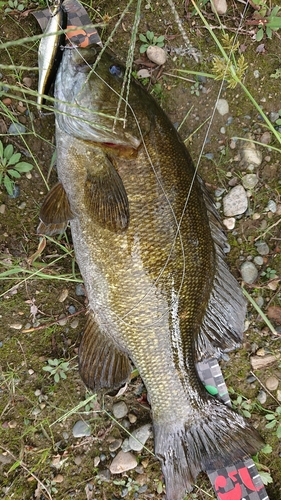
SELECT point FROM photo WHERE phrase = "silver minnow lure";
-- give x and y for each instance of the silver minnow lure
(49, 52)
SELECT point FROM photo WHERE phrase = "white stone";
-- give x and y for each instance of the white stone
(156, 55)
(141, 434)
(229, 223)
(120, 409)
(222, 107)
(250, 154)
(235, 202)
(143, 73)
(250, 181)
(219, 6)
(123, 462)
(249, 272)
(272, 383)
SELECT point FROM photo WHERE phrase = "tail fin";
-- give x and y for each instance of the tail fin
(218, 438)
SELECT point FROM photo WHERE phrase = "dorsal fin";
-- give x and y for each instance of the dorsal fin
(101, 363)
(223, 324)
(106, 197)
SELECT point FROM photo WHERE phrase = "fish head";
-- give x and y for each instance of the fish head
(96, 100)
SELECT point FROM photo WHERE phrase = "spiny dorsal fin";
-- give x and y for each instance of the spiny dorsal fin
(101, 364)
(106, 197)
(56, 208)
(51, 229)
(223, 323)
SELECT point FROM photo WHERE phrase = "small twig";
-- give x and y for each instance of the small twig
(47, 325)
(268, 229)
(264, 387)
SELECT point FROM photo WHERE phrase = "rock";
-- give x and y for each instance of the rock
(143, 73)
(156, 55)
(273, 116)
(219, 7)
(235, 202)
(262, 247)
(123, 462)
(266, 138)
(27, 81)
(261, 397)
(120, 409)
(132, 418)
(272, 383)
(249, 153)
(259, 301)
(258, 260)
(250, 181)
(222, 107)
(96, 461)
(258, 362)
(229, 223)
(278, 395)
(141, 434)
(81, 429)
(80, 290)
(271, 206)
(115, 445)
(249, 272)
(16, 129)
(125, 445)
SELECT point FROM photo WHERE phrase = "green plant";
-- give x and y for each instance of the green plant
(195, 89)
(57, 368)
(268, 24)
(11, 167)
(243, 405)
(150, 39)
(269, 273)
(274, 421)
(223, 68)
(15, 5)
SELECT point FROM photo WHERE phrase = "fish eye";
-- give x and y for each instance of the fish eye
(116, 70)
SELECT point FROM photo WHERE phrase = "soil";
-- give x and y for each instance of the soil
(42, 315)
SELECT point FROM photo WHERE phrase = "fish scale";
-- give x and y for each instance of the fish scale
(150, 248)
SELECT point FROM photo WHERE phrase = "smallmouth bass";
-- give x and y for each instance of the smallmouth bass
(150, 248)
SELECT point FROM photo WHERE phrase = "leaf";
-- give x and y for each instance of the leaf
(265, 477)
(160, 39)
(53, 362)
(143, 48)
(142, 38)
(259, 35)
(267, 449)
(14, 159)
(150, 35)
(23, 166)
(63, 375)
(56, 378)
(274, 11)
(270, 416)
(278, 432)
(268, 32)
(47, 368)
(20, 7)
(9, 185)
(13, 173)
(8, 151)
(1, 149)
(270, 425)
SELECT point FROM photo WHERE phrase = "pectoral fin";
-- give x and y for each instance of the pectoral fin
(101, 364)
(106, 197)
(55, 212)
(51, 229)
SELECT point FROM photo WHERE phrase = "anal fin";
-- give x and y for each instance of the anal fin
(106, 197)
(101, 363)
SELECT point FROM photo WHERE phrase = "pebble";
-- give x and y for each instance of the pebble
(262, 247)
(251, 379)
(123, 462)
(81, 429)
(132, 418)
(256, 73)
(74, 323)
(125, 445)
(259, 301)
(141, 434)
(278, 395)
(222, 107)
(229, 223)
(271, 206)
(273, 116)
(223, 130)
(250, 154)
(266, 138)
(115, 445)
(120, 409)
(27, 81)
(258, 260)
(16, 129)
(96, 461)
(250, 181)
(2, 209)
(16, 326)
(272, 383)
(249, 272)
(16, 192)
(261, 397)
(143, 73)
(235, 202)
(80, 290)
(156, 55)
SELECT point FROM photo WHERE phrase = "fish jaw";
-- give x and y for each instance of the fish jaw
(90, 113)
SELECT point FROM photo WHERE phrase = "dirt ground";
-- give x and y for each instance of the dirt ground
(42, 300)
